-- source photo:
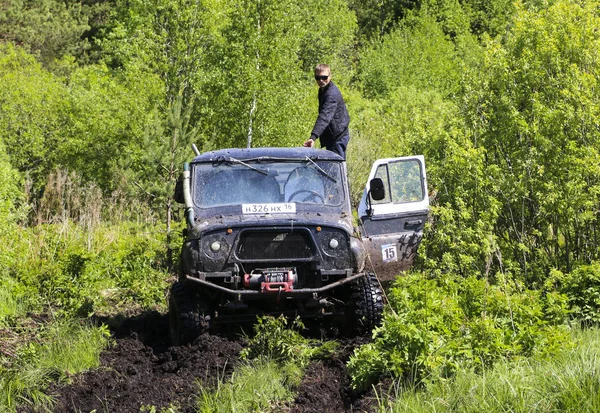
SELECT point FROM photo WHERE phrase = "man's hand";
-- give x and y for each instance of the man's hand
(309, 143)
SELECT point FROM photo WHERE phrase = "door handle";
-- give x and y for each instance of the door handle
(413, 223)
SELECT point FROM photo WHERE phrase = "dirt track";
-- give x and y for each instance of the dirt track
(142, 370)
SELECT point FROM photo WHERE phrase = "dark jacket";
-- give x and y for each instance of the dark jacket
(332, 122)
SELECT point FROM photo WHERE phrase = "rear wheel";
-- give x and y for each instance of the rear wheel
(188, 317)
(366, 308)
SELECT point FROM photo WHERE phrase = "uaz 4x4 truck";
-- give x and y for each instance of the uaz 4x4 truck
(271, 231)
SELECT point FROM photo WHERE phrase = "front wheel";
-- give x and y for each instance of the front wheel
(187, 316)
(366, 308)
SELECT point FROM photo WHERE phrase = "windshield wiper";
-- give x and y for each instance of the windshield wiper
(321, 169)
(247, 165)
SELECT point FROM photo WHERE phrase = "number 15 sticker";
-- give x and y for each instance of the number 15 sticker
(389, 252)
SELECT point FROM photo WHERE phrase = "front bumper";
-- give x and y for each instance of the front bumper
(298, 293)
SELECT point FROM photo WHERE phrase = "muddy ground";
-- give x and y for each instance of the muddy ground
(141, 369)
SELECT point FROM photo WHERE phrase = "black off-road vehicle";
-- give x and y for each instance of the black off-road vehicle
(271, 231)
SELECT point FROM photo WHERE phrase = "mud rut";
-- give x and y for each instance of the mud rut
(141, 369)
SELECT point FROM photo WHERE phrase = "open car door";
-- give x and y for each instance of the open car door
(393, 211)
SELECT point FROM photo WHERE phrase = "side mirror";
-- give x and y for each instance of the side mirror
(376, 189)
(178, 193)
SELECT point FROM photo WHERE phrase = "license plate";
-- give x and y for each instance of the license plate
(281, 208)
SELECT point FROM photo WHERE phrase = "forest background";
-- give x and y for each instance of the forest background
(100, 102)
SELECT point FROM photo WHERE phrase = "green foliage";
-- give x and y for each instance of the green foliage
(377, 18)
(266, 52)
(489, 16)
(10, 307)
(49, 29)
(512, 166)
(505, 196)
(153, 409)
(91, 124)
(274, 360)
(71, 347)
(113, 269)
(163, 40)
(32, 110)
(60, 350)
(534, 112)
(255, 386)
(439, 326)
(108, 116)
(391, 63)
(409, 121)
(164, 37)
(500, 97)
(566, 383)
(10, 193)
(460, 235)
(582, 290)
(275, 340)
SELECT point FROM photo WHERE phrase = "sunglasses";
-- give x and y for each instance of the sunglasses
(321, 77)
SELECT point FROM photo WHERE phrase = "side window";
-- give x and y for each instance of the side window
(406, 181)
(402, 181)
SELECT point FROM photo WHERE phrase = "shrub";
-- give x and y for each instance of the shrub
(438, 326)
(582, 289)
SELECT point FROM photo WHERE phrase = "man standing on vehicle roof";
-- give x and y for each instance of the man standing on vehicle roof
(332, 123)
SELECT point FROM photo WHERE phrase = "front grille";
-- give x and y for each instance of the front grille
(274, 245)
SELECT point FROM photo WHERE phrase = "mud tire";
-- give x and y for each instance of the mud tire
(188, 315)
(367, 304)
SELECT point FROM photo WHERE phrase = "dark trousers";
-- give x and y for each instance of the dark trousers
(338, 146)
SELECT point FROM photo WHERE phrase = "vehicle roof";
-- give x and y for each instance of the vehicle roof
(247, 154)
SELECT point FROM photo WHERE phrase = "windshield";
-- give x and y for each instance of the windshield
(250, 182)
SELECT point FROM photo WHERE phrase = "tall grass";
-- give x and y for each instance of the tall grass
(569, 382)
(121, 268)
(62, 349)
(69, 267)
(72, 347)
(10, 306)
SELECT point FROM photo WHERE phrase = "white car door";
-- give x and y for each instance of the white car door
(392, 227)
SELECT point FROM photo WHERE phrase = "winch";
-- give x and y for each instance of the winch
(271, 279)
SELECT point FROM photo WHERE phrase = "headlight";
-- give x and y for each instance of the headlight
(333, 242)
(215, 246)
(215, 250)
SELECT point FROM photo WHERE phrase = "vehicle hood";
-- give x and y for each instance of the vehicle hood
(306, 218)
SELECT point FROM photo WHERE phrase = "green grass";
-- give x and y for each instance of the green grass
(60, 350)
(275, 358)
(569, 382)
(116, 269)
(72, 347)
(256, 386)
(69, 272)
(9, 305)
